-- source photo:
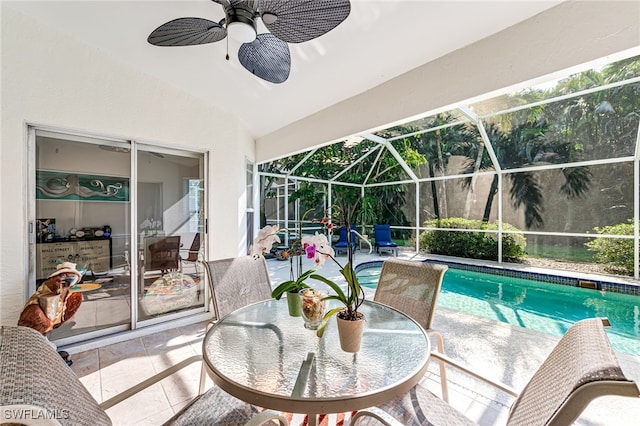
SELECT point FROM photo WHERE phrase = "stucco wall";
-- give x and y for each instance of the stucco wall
(50, 79)
(566, 36)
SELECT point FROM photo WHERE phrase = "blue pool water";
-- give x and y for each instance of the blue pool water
(536, 305)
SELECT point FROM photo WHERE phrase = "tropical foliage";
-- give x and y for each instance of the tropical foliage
(472, 244)
(615, 253)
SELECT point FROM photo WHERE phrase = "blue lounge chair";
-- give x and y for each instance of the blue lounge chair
(342, 243)
(382, 235)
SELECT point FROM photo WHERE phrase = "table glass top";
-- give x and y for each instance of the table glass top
(262, 348)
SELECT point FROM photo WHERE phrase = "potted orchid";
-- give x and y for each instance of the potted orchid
(303, 246)
(293, 287)
(317, 247)
(350, 320)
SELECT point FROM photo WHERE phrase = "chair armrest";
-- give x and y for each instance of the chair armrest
(378, 414)
(503, 387)
(267, 416)
(150, 381)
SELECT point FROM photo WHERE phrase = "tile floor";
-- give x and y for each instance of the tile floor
(509, 354)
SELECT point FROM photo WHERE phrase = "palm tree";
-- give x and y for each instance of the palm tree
(436, 147)
(524, 145)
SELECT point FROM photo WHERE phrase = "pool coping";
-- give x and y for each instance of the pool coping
(567, 278)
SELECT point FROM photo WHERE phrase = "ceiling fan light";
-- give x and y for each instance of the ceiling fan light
(241, 32)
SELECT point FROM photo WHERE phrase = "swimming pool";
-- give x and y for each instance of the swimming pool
(536, 305)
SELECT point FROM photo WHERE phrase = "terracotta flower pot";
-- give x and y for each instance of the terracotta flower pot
(294, 303)
(350, 333)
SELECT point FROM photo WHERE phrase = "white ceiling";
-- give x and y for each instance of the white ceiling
(378, 41)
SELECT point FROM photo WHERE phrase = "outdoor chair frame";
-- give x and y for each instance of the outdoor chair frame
(580, 368)
(35, 379)
(413, 287)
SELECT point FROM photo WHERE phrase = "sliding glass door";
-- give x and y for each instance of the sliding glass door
(170, 220)
(130, 216)
(82, 209)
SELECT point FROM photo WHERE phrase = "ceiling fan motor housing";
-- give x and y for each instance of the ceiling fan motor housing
(243, 13)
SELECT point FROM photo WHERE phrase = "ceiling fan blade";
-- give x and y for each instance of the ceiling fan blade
(296, 21)
(187, 32)
(228, 2)
(267, 57)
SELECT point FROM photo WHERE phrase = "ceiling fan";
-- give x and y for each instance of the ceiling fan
(264, 55)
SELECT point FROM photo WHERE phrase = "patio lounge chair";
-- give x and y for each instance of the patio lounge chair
(413, 287)
(382, 235)
(38, 388)
(343, 244)
(580, 368)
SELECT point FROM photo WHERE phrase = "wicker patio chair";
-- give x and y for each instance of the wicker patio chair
(38, 388)
(580, 368)
(413, 288)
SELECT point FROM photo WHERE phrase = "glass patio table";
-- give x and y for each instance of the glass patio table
(262, 355)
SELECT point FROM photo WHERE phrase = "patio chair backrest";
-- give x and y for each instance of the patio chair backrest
(35, 381)
(411, 287)
(580, 368)
(343, 240)
(382, 233)
(237, 282)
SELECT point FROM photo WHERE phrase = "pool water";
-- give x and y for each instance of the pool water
(536, 305)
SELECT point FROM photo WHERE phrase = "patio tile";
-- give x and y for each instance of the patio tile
(486, 413)
(86, 365)
(141, 407)
(117, 352)
(163, 342)
(155, 419)
(182, 386)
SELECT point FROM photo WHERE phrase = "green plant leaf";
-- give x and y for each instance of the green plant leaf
(305, 275)
(333, 298)
(325, 320)
(287, 286)
(340, 294)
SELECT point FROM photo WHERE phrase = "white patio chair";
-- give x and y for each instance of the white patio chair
(413, 288)
(38, 388)
(580, 368)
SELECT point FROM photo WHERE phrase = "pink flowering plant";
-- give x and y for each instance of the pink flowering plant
(316, 247)
(353, 297)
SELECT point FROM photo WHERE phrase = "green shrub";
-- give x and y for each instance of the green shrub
(472, 244)
(614, 253)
